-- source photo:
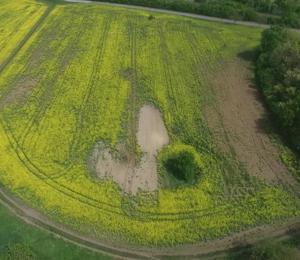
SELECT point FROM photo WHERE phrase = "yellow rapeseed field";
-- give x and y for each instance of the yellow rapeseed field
(72, 84)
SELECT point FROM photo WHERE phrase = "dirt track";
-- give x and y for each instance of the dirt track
(164, 11)
(35, 218)
(201, 250)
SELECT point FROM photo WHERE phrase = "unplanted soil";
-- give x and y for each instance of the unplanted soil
(237, 121)
(151, 136)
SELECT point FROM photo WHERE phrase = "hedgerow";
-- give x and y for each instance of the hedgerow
(277, 71)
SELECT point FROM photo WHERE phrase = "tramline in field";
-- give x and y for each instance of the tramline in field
(82, 81)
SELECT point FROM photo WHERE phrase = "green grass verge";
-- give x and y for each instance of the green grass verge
(19, 241)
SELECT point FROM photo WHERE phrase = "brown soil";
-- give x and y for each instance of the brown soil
(237, 122)
(151, 136)
(19, 92)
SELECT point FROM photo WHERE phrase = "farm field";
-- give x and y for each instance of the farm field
(81, 82)
(18, 17)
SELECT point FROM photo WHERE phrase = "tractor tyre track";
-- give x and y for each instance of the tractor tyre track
(96, 68)
(21, 44)
(24, 212)
(199, 250)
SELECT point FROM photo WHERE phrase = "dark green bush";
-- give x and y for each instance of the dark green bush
(179, 164)
(182, 166)
(272, 250)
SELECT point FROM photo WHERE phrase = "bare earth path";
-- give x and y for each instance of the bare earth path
(39, 220)
(33, 217)
(164, 11)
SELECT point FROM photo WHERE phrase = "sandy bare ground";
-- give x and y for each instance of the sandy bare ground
(237, 122)
(152, 135)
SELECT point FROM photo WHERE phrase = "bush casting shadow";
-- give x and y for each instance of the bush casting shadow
(183, 166)
(179, 165)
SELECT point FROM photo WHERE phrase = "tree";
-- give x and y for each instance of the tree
(278, 75)
(272, 250)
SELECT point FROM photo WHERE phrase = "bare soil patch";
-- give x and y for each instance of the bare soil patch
(19, 92)
(151, 136)
(237, 123)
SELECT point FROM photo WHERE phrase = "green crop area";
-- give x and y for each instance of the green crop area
(21, 241)
(16, 19)
(82, 77)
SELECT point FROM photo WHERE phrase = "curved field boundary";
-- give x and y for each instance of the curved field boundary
(33, 217)
(103, 206)
(215, 247)
(164, 11)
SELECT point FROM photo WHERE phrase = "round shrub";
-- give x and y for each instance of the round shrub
(179, 164)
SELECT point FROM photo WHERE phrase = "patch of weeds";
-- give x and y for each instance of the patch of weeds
(151, 17)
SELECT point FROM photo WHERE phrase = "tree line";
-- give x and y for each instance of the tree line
(286, 12)
(278, 76)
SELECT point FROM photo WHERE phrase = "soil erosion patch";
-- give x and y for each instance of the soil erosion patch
(152, 135)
